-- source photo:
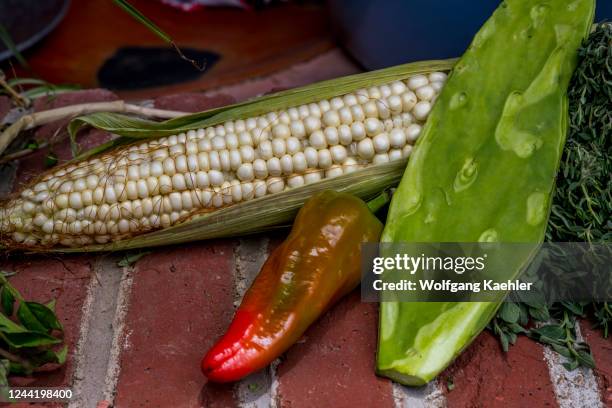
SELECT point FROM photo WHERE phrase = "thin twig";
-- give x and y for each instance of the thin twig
(40, 118)
(19, 99)
(21, 153)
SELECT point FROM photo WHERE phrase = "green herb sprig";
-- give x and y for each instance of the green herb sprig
(30, 334)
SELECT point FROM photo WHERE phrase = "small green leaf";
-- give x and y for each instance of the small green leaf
(61, 355)
(51, 159)
(9, 326)
(29, 339)
(450, 384)
(539, 314)
(509, 312)
(575, 308)
(49, 356)
(131, 259)
(564, 351)
(504, 341)
(51, 305)
(552, 331)
(253, 387)
(7, 299)
(571, 365)
(516, 328)
(45, 315)
(29, 319)
(586, 359)
(49, 90)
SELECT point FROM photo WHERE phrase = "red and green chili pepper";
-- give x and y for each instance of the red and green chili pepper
(316, 265)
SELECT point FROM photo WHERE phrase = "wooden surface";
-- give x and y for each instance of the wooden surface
(251, 43)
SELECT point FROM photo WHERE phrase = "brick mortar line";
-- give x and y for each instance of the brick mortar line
(80, 359)
(95, 338)
(573, 389)
(274, 391)
(120, 337)
(427, 396)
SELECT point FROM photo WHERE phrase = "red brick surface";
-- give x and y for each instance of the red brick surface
(333, 366)
(485, 376)
(602, 352)
(181, 302)
(62, 278)
(192, 102)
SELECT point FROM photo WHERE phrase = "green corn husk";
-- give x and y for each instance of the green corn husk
(263, 213)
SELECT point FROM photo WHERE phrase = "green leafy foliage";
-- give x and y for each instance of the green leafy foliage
(30, 334)
(581, 209)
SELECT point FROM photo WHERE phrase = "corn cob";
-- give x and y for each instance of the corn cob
(163, 182)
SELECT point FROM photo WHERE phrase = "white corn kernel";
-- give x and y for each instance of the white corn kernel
(281, 131)
(365, 149)
(397, 138)
(312, 176)
(216, 177)
(395, 154)
(295, 181)
(338, 153)
(279, 147)
(274, 166)
(299, 162)
(260, 168)
(417, 81)
(425, 93)
(331, 118)
(437, 77)
(334, 171)
(357, 113)
(373, 127)
(293, 145)
(312, 124)
(421, 110)
(286, 163)
(380, 158)
(275, 185)
(317, 140)
(245, 172)
(412, 133)
(381, 143)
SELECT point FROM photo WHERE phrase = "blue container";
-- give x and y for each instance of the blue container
(382, 33)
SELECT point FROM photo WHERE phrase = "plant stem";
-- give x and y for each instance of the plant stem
(40, 118)
(379, 201)
(19, 100)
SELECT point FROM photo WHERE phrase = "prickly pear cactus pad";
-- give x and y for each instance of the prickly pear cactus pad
(483, 169)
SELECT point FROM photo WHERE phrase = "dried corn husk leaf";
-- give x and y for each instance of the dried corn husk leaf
(271, 210)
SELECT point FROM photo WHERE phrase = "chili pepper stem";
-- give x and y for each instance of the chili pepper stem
(379, 201)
